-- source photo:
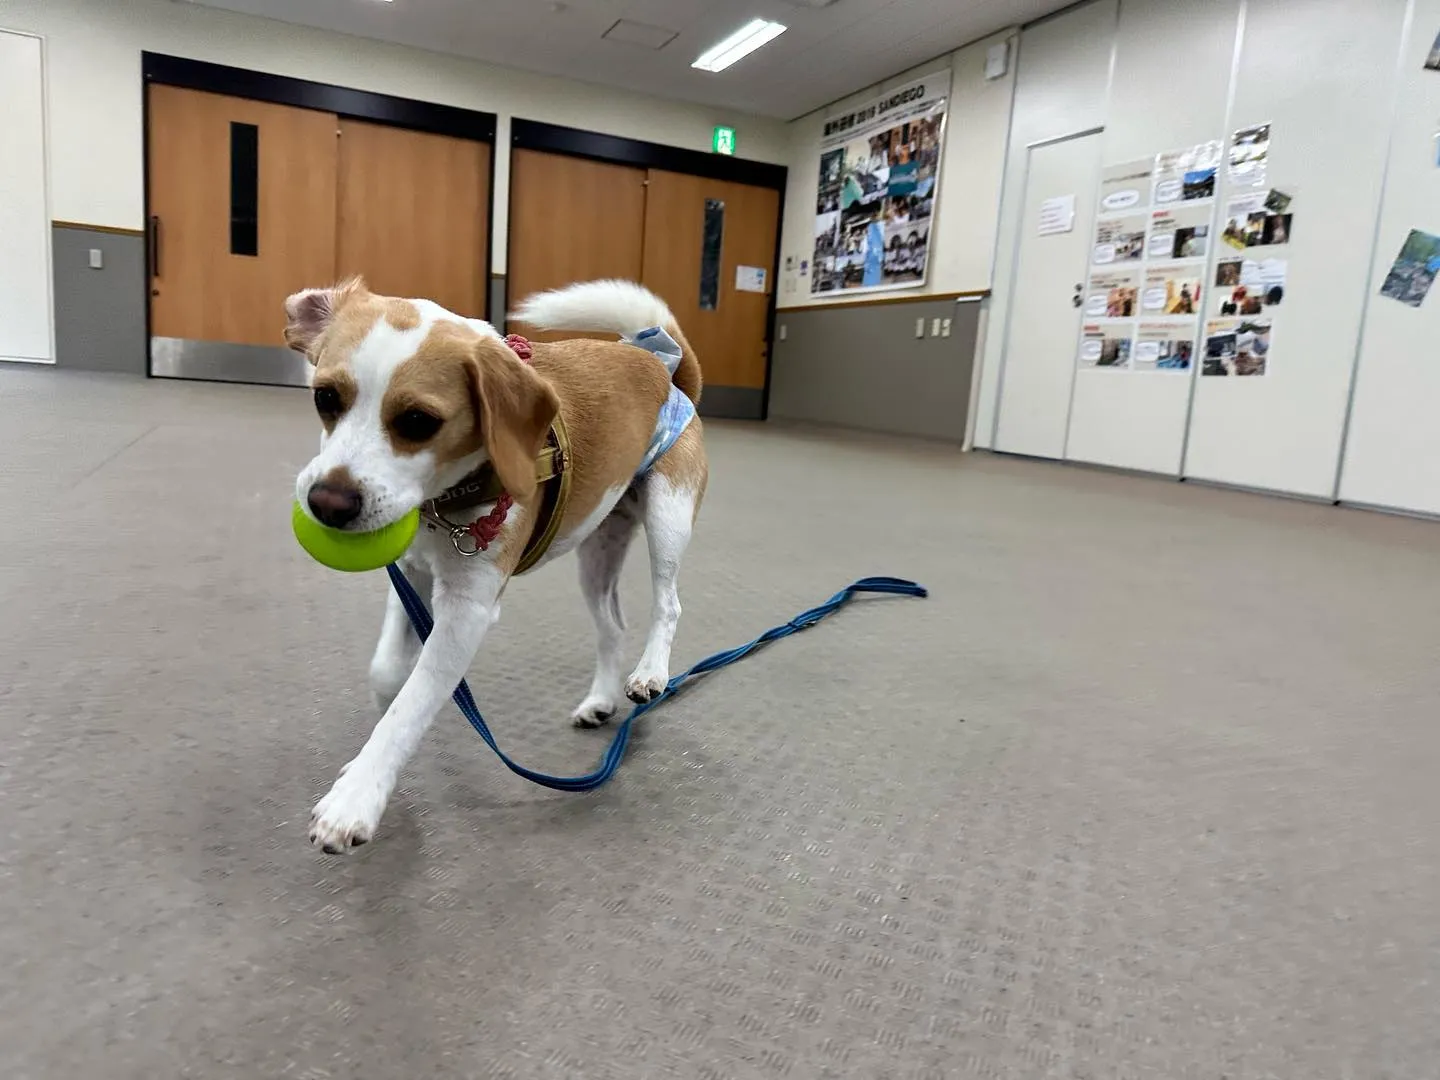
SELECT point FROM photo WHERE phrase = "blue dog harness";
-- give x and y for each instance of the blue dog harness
(678, 410)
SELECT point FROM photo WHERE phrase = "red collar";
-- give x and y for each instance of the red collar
(521, 348)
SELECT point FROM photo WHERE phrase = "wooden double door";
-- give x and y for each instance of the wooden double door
(251, 201)
(707, 247)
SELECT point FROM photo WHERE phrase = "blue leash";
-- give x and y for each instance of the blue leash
(420, 619)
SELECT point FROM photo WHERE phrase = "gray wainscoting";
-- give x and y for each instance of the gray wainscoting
(99, 313)
(863, 367)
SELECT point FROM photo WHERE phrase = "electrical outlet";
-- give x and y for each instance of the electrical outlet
(783, 332)
(944, 327)
(920, 327)
(97, 259)
(935, 326)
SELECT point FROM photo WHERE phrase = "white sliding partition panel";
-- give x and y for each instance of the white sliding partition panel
(1172, 71)
(1392, 452)
(1061, 80)
(1322, 75)
(25, 316)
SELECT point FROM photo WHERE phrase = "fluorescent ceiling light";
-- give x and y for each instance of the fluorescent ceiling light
(739, 44)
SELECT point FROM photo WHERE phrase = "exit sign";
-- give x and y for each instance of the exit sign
(724, 140)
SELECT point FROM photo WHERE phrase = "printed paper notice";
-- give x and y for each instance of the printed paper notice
(1249, 156)
(1249, 286)
(1258, 219)
(1179, 232)
(750, 279)
(1187, 174)
(1164, 346)
(1057, 215)
(1127, 186)
(1172, 291)
(1236, 347)
(1113, 294)
(1106, 346)
(1413, 271)
(1119, 240)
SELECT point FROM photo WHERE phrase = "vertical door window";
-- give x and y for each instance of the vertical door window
(244, 189)
(710, 254)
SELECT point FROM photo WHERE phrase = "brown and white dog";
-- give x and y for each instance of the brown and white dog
(414, 399)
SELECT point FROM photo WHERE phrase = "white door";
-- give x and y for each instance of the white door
(24, 220)
(1044, 322)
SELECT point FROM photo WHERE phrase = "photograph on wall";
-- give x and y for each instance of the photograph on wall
(905, 245)
(1413, 271)
(1164, 346)
(877, 175)
(827, 198)
(1107, 346)
(1172, 291)
(1432, 58)
(1250, 222)
(1187, 174)
(1249, 155)
(1120, 239)
(1179, 232)
(1113, 294)
(1236, 347)
(1126, 186)
(1249, 286)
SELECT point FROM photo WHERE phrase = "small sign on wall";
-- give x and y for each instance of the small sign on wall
(1057, 215)
(750, 279)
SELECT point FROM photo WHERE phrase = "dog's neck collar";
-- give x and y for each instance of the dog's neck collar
(482, 487)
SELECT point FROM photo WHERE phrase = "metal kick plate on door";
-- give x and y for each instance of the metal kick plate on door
(223, 361)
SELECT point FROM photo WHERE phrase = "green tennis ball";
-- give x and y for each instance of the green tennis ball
(354, 552)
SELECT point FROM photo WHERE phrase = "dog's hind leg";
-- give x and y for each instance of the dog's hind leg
(670, 499)
(601, 555)
(398, 647)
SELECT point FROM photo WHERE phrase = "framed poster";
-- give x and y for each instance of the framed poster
(878, 170)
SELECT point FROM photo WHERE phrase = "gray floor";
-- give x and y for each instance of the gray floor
(1146, 789)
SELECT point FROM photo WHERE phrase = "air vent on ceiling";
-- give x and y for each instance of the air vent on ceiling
(638, 33)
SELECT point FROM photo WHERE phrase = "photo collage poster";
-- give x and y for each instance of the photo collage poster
(1251, 261)
(879, 167)
(1145, 289)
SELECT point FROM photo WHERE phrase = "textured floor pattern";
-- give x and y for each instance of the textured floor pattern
(1146, 790)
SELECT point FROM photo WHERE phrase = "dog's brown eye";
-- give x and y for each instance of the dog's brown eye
(327, 401)
(416, 425)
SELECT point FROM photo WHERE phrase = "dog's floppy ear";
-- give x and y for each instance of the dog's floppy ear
(515, 409)
(310, 311)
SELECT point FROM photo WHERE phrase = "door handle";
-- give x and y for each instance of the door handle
(154, 245)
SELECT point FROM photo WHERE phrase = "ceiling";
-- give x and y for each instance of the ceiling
(827, 52)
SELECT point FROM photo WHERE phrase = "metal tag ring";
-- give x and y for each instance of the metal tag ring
(458, 538)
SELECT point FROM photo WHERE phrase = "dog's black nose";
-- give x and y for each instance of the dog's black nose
(335, 505)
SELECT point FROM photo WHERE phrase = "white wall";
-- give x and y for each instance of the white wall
(1324, 74)
(1062, 86)
(962, 240)
(1392, 454)
(25, 323)
(1139, 423)
(94, 49)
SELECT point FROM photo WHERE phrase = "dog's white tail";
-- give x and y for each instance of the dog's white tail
(622, 307)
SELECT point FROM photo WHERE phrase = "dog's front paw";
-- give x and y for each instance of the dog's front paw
(645, 686)
(348, 815)
(594, 711)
